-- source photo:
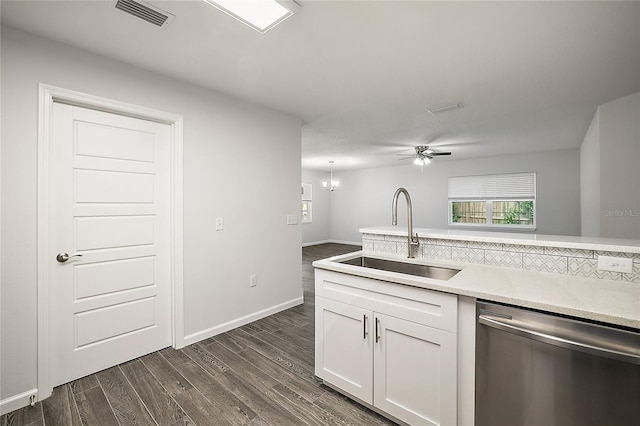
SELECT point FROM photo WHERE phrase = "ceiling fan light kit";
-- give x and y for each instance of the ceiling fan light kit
(423, 155)
(421, 161)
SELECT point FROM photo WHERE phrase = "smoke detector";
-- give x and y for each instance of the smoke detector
(445, 108)
(146, 12)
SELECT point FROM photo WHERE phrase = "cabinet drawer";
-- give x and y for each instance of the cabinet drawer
(428, 307)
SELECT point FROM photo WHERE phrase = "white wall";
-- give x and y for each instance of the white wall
(319, 229)
(611, 159)
(619, 167)
(252, 193)
(364, 198)
(590, 180)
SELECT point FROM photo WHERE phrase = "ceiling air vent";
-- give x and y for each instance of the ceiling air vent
(145, 11)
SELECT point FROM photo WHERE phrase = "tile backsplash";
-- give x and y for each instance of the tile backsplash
(571, 261)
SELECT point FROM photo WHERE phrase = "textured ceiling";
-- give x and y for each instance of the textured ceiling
(361, 74)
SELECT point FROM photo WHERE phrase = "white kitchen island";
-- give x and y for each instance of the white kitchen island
(384, 337)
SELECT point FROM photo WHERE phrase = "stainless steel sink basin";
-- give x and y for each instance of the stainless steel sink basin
(426, 271)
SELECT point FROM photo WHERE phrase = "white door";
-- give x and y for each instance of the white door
(343, 347)
(110, 197)
(415, 372)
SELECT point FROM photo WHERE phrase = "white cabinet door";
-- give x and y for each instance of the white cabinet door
(343, 347)
(415, 372)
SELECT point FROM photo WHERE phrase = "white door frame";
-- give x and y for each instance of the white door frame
(47, 95)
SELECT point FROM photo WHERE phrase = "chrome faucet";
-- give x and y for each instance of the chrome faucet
(412, 241)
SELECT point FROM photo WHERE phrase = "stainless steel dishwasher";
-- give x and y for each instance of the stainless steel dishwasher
(539, 369)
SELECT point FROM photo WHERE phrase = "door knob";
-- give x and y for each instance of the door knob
(63, 257)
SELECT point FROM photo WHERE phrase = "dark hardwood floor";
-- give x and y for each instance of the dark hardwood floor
(258, 374)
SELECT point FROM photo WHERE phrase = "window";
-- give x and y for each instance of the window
(306, 212)
(306, 207)
(493, 201)
(469, 212)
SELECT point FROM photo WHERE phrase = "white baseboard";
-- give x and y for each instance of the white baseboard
(315, 243)
(350, 243)
(15, 402)
(218, 329)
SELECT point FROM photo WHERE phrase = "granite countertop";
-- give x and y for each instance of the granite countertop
(530, 239)
(614, 302)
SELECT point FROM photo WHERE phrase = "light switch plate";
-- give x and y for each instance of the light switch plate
(219, 224)
(292, 219)
(615, 264)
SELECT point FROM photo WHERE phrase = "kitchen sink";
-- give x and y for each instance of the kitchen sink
(426, 271)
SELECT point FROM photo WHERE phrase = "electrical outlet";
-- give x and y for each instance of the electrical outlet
(253, 280)
(615, 264)
(219, 224)
(292, 219)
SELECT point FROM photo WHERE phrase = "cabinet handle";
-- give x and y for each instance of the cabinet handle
(377, 330)
(364, 327)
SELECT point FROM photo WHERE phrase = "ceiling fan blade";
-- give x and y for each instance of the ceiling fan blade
(407, 158)
(440, 153)
(405, 151)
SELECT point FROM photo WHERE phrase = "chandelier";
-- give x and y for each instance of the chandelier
(331, 184)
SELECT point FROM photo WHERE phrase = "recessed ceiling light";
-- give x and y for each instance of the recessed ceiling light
(439, 110)
(261, 15)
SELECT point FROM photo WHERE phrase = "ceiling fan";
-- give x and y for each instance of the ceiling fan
(423, 155)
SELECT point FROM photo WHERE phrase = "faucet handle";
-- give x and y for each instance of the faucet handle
(415, 241)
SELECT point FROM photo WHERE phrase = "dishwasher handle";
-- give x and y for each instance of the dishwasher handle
(559, 341)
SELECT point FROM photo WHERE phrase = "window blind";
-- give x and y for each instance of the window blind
(493, 187)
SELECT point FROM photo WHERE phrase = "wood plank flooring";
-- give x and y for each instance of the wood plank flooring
(258, 374)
